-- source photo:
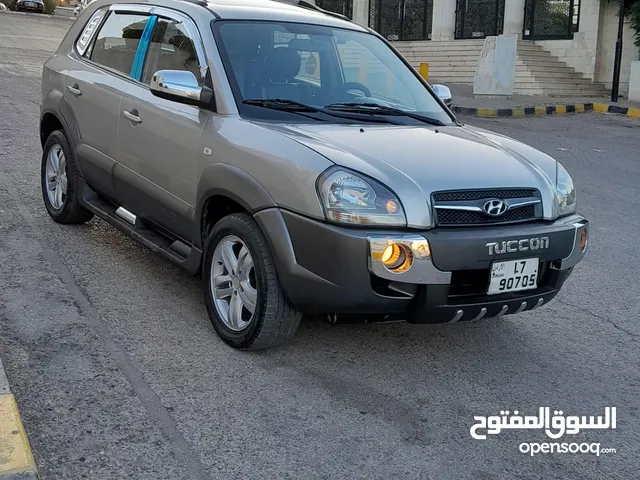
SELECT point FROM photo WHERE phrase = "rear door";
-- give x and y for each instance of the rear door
(106, 54)
(157, 173)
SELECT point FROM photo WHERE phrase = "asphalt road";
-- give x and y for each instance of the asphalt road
(119, 374)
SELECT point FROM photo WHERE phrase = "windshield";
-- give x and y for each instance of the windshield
(318, 66)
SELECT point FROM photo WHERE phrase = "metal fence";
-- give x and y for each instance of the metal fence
(479, 18)
(551, 19)
(343, 7)
(402, 19)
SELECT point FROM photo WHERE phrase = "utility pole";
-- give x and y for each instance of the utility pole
(618, 59)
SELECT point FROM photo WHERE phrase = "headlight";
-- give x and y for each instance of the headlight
(352, 198)
(565, 192)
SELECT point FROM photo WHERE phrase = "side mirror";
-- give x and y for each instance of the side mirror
(444, 93)
(177, 85)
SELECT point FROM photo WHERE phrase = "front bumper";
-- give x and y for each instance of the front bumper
(331, 269)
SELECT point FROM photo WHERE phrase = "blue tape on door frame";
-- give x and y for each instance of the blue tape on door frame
(138, 61)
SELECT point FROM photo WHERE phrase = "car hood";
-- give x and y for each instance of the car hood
(415, 161)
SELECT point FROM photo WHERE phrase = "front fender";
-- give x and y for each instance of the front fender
(234, 183)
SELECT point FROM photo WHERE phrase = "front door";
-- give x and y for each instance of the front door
(94, 88)
(160, 149)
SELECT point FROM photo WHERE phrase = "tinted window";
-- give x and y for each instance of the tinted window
(171, 48)
(118, 40)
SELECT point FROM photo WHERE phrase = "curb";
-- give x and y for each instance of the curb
(39, 15)
(16, 459)
(521, 112)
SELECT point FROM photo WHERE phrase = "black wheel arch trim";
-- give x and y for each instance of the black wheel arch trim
(234, 183)
(55, 104)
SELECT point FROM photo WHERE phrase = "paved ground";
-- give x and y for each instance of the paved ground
(463, 97)
(119, 374)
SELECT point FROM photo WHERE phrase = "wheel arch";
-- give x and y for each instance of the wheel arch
(225, 189)
(56, 113)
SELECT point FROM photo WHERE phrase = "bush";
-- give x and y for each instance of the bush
(49, 6)
(10, 4)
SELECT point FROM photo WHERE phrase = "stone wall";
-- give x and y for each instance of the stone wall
(580, 53)
(607, 49)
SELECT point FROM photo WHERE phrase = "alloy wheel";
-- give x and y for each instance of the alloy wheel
(233, 283)
(56, 177)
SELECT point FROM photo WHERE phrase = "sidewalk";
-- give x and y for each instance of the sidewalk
(61, 13)
(16, 460)
(464, 103)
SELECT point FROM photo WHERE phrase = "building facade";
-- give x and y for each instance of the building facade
(579, 33)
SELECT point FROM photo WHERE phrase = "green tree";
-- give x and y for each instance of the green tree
(49, 6)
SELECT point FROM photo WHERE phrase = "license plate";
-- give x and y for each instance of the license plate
(513, 276)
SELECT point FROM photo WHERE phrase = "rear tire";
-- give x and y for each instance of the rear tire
(235, 242)
(59, 181)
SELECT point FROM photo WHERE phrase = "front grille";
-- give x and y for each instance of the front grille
(475, 199)
(462, 217)
(480, 194)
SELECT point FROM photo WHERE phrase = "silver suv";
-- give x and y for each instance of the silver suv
(298, 163)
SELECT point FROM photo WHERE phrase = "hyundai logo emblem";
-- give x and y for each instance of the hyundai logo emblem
(495, 207)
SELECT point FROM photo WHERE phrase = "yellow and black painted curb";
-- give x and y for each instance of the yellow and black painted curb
(16, 459)
(521, 112)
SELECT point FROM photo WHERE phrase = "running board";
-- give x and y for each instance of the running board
(176, 251)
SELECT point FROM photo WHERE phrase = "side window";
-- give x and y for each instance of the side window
(171, 48)
(89, 30)
(117, 41)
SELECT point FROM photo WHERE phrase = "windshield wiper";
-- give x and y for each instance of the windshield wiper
(281, 104)
(292, 106)
(375, 109)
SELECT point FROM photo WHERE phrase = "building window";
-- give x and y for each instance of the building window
(551, 19)
(401, 19)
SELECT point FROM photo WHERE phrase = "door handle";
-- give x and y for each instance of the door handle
(132, 116)
(75, 90)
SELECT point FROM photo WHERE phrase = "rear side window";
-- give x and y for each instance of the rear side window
(117, 41)
(89, 30)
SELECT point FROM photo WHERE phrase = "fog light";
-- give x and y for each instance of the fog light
(583, 240)
(396, 258)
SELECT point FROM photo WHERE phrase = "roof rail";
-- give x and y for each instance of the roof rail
(313, 6)
(202, 3)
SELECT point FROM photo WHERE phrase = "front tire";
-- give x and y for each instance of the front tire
(244, 299)
(59, 181)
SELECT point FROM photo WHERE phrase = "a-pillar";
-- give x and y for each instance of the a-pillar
(513, 18)
(444, 20)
